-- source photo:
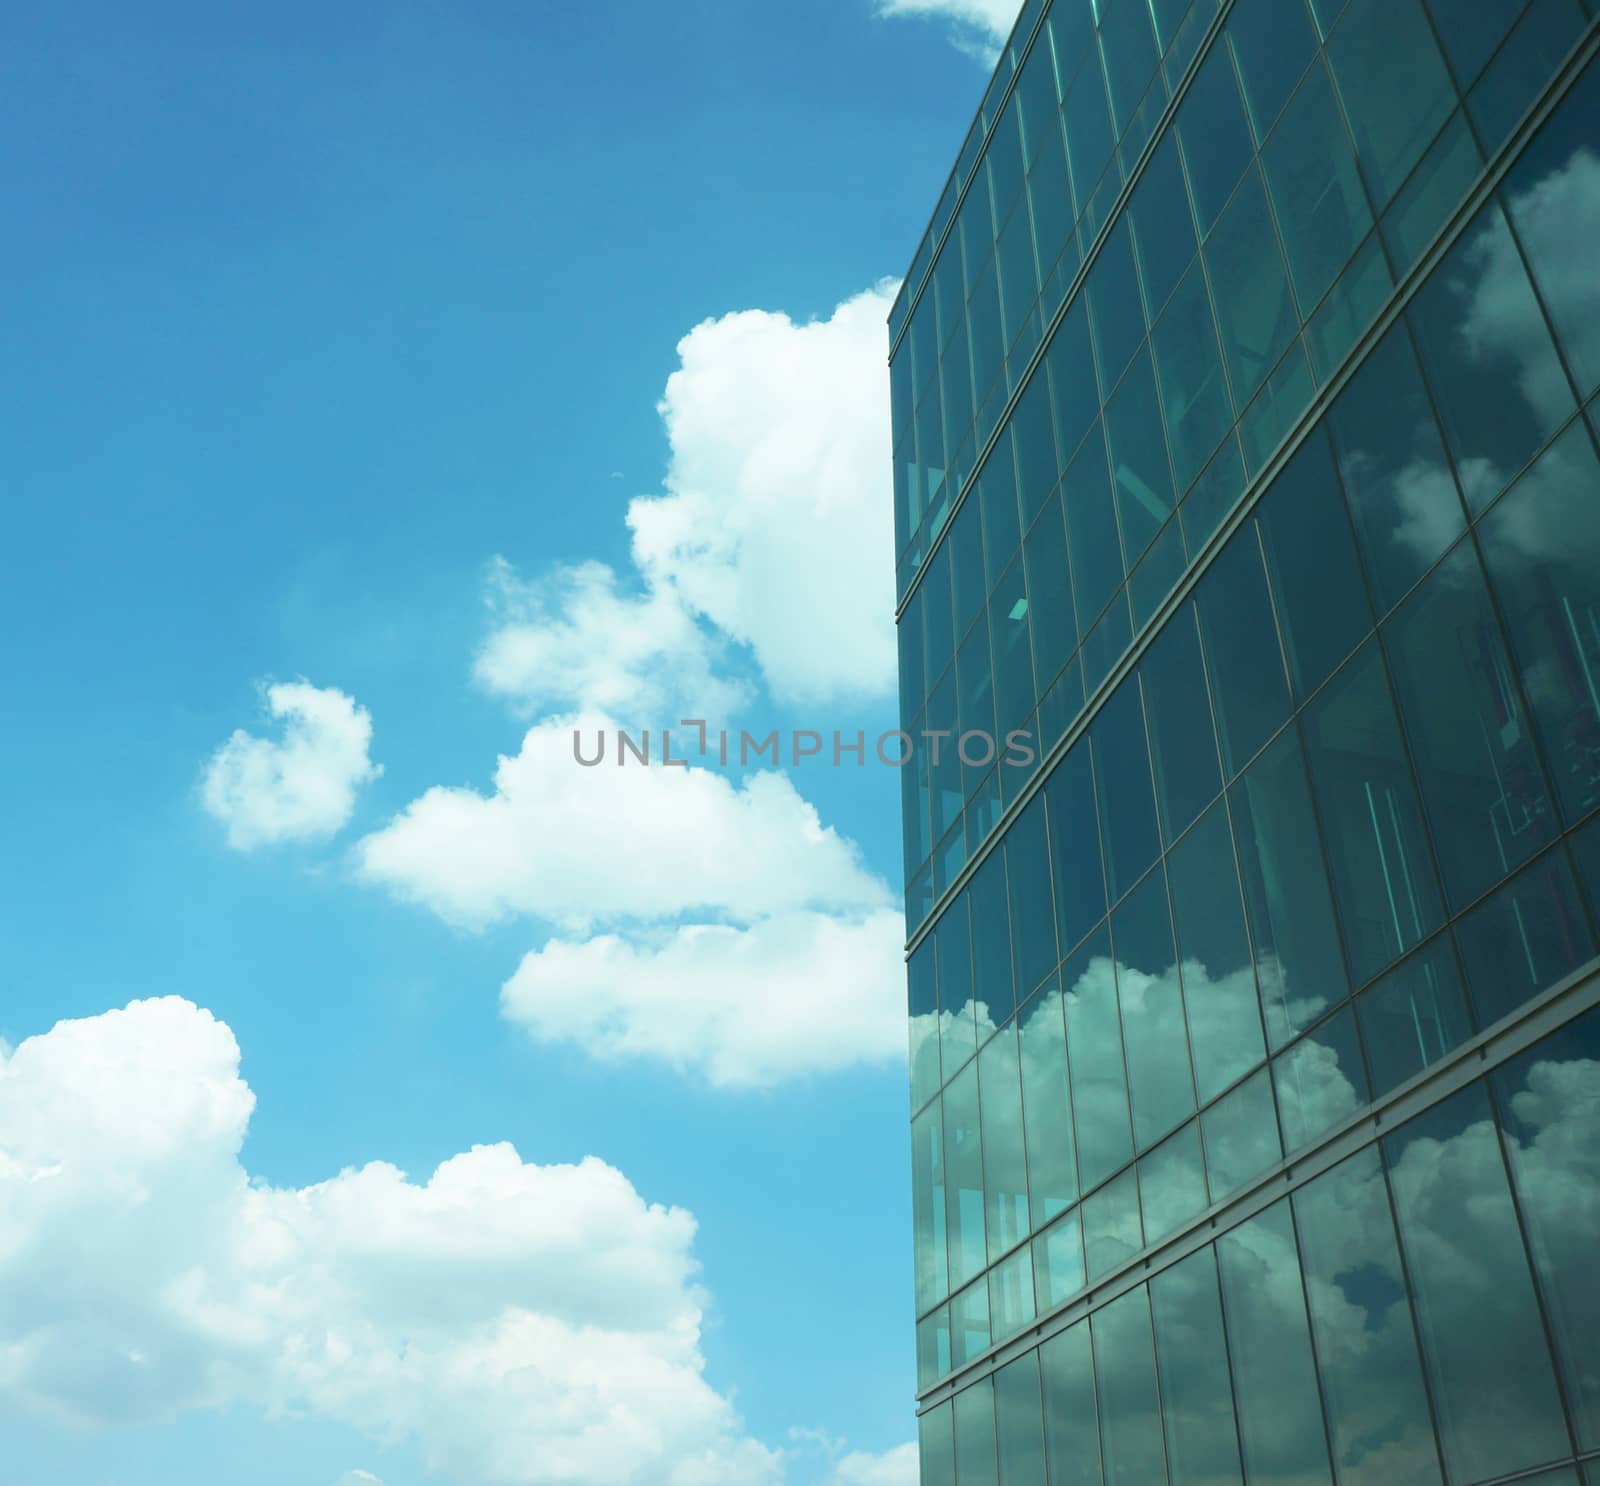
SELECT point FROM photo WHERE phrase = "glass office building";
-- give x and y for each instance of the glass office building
(1245, 423)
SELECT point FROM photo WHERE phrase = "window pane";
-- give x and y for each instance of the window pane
(1035, 441)
(1550, 192)
(957, 1013)
(1052, 1169)
(1394, 85)
(1005, 1165)
(1366, 1345)
(1075, 846)
(1493, 1388)
(1413, 1016)
(1071, 1423)
(1357, 295)
(1478, 770)
(1382, 869)
(1139, 467)
(1091, 531)
(1152, 1012)
(1019, 1412)
(1541, 544)
(1163, 230)
(1094, 1038)
(927, 1201)
(1172, 1184)
(922, 995)
(1286, 892)
(1537, 45)
(1032, 906)
(1241, 1136)
(1471, 32)
(1396, 479)
(975, 1442)
(965, 545)
(1219, 986)
(1157, 574)
(1315, 187)
(1130, 1410)
(1255, 310)
(997, 494)
(1114, 306)
(1051, 623)
(1196, 1402)
(963, 1176)
(1194, 395)
(1429, 199)
(1011, 1295)
(1122, 774)
(1129, 44)
(1074, 394)
(1058, 1272)
(1215, 138)
(1182, 749)
(1273, 41)
(1549, 1102)
(1311, 562)
(1274, 1380)
(1320, 1080)
(933, 1348)
(1524, 939)
(937, 1446)
(1213, 496)
(991, 941)
(1283, 397)
(969, 1324)
(1500, 388)
(1241, 646)
(1111, 1230)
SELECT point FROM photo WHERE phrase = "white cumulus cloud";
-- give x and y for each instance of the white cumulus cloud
(896, 1467)
(981, 26)
(577, 845)
(521, 1325)
(776, 524)
(573, 639)
(298, 787)
(795, 994)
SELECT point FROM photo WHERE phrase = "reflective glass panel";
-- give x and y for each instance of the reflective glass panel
(1122, 776)
(1071, 1421)
(1172, 1184)
(1139, 468)
(957, 1020)
(1091, 530)
(1241, 1136)
(991, 941)
(1011, 1295)
(1494, 1391)
(1413, 1016)
(1182, 749)
(975, 1441)
(1196, 1401)
(1436, 188)
(1383, 876)
(1130, 1409)
(1273, 41)
(963, 1174)
(1032, 903)
(1111, 1231)
(1193, 392)
(1525, 63)
(1157, 1047)
(1312, 565)
(1163, 230)
(937, 1446)
(1075, 846)
(1219, 986)
(1396, 479)
(1394, 84)
(1214, 135)
(1058, 1262)
(1541, 545)
(1256, 315)
(969, 1324)
(1052, 626)
(923, 998)
(1549, 1106)
(1114, 306)
(1052, 1170)
(1094, 1040)
(1274, 1379)
(1074, 393)
(1005, 1163)
(1320, 1080)
(1523, 939)
(1366, 1344)
(1019, 1413)
(927, 1207)
(1311, 174)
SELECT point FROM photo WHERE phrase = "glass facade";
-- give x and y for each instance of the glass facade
(1245, 425)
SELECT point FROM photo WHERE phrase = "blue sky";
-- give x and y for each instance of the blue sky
(338, 384)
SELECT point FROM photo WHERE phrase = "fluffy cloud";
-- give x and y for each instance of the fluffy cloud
(300, 787)
(897, 1467)
(776, 525)
(982, 25)
(359, 1478)
(799, 993)
(580, 845)
(572, 640)
(520, 1324)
